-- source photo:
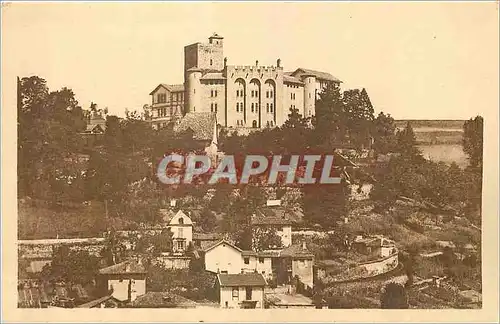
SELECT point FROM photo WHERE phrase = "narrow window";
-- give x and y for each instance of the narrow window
(253, 107)
(246, 260)
(212, 107)
(211, 62)
(271, 107)
(236, 293)
(215, 106)
(215, 93)
(267, 107)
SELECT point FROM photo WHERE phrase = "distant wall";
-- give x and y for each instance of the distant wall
(173, 262)
(44, 248)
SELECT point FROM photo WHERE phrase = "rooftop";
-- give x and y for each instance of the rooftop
(297, 251)
(124, 268)
(318, 74)
(155, 299)
(241, 279)
(202, 125)
(169, 87)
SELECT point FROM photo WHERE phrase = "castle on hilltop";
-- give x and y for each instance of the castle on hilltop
(248, 96)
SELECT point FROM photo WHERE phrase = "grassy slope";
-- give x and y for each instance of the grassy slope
(37, 221)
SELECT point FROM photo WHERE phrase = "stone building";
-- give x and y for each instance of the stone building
(242, 96)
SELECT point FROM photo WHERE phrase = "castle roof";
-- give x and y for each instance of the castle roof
(318, 74)
(201, 123)
(291, 79)
(213, 76)
(169, 87)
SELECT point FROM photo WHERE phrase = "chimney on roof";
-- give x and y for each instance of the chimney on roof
(257, 63)
(278, 62)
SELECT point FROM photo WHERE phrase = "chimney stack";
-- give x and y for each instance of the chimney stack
(257, 63)
(278, 62)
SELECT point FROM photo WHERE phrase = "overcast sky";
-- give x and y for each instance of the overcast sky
(416, 60)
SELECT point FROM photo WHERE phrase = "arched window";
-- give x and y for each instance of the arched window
(254, 124)
(181, 220)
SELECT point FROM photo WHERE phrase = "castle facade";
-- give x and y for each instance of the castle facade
(241, 96)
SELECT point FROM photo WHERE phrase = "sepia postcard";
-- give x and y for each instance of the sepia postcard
(250, 161)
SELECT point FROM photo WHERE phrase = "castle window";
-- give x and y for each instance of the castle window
(267, 107)
(211, 93)
(215, 107)
(267, 94)
(252, 107)
(211, 62)
(271, 107)
(237, 107)
(212, 107)
(254, 124)
(309, 96)
(215, 93)
(270, 94)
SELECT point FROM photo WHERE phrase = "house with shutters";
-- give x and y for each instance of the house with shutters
(224, 257)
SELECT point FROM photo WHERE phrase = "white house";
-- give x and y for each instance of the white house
(224, 257)
(244, 290)
(126, 280)
(181, 226)
(276, 218)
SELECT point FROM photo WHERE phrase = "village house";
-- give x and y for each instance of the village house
(125, 280)
(274, 218)
(181, 227)
(224, 257)
(376, 245)
(203, 126)
(244, 290)
(296, 261)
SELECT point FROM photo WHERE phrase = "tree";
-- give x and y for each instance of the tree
(394, 297)
(384, 134)
(407, 144)
(71, 266)
(207, 220)
(265, 239)
(472, 141)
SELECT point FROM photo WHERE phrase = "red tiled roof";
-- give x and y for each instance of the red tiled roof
(123, 268)
(241, 279)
